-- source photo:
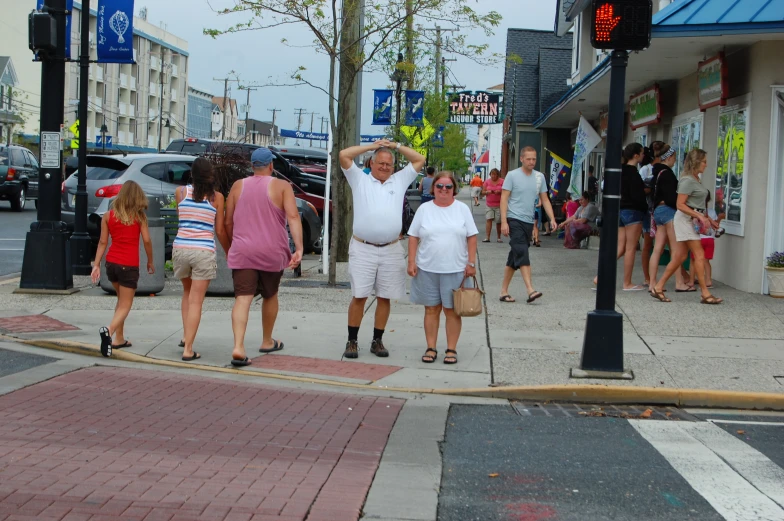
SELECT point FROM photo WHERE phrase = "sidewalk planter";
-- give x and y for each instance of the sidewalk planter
(223, 284)
(775, 282)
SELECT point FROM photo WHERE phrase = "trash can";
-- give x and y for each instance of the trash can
(147, 283)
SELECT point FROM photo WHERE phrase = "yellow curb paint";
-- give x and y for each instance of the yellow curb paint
(584, 393)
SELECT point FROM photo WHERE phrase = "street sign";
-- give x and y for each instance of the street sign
(75, 128)
(50, 149)
(99, 142)
(108, 141)
(624, 25)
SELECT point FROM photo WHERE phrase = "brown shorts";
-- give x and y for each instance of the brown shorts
(125, 276)
(256, 282)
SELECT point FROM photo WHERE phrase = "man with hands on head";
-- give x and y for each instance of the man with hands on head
(376, 260)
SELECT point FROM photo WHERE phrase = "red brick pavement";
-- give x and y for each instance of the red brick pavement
(344, 369)
(105, 444)
(33, 324)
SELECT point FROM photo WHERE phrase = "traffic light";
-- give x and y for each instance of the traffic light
(621, 24)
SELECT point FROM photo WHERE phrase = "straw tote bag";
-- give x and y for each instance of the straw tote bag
(468, 301)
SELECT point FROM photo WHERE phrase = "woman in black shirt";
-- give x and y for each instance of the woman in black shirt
(634, 207)
(665, 195)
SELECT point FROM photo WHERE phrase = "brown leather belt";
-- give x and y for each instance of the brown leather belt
(363, 241)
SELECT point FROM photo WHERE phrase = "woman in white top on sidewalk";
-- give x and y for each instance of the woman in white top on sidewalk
(441, 251)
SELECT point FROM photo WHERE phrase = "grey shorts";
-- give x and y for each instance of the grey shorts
(432, 289)
(493, 214)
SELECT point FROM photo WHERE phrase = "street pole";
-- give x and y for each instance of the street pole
(80, 240)
(602, 353)
(299, 122)
(160, 108)
(47, 254)
(274, 133)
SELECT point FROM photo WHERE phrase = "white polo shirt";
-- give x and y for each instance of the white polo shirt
(378, 207)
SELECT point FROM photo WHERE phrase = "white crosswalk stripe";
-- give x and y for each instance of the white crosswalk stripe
(741, 483)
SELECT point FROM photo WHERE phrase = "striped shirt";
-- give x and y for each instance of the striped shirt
(197, 223)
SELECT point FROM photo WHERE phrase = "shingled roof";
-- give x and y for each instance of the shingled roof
(541, 78)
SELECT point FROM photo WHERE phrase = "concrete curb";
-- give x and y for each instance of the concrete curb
(585, 393)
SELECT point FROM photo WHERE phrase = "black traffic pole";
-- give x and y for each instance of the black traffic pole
(47, 256)
(80, 240)
(603, 341)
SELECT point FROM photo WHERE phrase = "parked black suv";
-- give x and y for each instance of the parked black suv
(18, 176)
(310, 183)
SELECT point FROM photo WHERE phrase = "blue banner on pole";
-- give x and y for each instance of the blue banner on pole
(415, 107)
(382, 107)
(300, 134)
(69, 8)
(371, 139)
(115, 31)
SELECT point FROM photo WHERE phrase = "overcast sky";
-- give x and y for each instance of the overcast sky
(259, 57)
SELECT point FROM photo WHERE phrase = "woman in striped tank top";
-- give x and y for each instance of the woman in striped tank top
(200, 211)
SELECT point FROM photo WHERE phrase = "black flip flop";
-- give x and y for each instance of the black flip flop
(182, 343)
(276, 347)
(106, 342)
(485, 240)
(195, 356)
(240, 363)
(124, 344)
(507, 299)
(533, 296)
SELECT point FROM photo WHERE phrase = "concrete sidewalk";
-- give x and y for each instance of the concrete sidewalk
(737, 346)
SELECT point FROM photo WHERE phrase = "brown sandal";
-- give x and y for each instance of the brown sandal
(659, 295)
(710, 299)
(450, 358)
(429, 359)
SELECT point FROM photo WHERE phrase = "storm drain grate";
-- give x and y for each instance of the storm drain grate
(313, 284)
(602, 411)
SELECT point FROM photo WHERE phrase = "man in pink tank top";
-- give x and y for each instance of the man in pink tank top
(257, 210)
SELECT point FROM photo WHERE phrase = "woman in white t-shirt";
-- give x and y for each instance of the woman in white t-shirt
(441, 252)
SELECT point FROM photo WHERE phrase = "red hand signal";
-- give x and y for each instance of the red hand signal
(605, 22)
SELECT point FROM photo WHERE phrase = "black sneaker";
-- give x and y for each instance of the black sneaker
(378, 349)
(352, 349)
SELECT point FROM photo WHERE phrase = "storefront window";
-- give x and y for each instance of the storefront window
(641, 136)
(686, 136)
(730, 166)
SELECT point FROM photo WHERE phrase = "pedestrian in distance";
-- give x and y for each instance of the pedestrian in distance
(476, 188)
(492, 189)
(689, 221)
(200, 210)
(376, 261)
(649, 159)
(518, 200)
(593, 184)
(441, 253)
(424, 186)
(257, 210)
(125, 222)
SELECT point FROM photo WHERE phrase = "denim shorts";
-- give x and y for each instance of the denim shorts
(663, 214)
(646, 222)
(630, 217)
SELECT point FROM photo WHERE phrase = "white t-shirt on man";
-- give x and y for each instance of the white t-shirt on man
(444, 233)
(378, 207)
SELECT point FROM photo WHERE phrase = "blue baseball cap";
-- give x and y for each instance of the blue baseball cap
(261, 157)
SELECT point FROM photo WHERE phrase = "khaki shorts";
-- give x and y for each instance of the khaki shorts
(493, 214)
(195, 264)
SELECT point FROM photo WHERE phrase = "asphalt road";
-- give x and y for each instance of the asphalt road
(15, 361)
(503, 465)
(13, 230)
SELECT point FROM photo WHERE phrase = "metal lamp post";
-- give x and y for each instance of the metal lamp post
(397, 77)
(104, 130)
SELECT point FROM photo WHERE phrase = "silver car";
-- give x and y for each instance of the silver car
(159, 175)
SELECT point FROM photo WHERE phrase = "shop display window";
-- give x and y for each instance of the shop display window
(730, 165)
(686, 136)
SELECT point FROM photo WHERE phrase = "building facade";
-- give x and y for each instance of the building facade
(199, 122)
(710, 79)
(537, 69)
(12, 110)
(140, 104)
(225, 119)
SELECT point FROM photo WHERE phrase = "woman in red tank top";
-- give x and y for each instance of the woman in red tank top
(125, 222)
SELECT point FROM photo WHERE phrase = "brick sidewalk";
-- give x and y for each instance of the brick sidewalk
(106, 444)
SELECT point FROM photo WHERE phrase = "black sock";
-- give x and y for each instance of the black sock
(377, 333)
(353, 333)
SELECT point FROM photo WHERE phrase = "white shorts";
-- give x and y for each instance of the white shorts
(380, 269)
(476, 191)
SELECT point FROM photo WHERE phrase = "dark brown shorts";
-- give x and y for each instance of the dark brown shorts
(256, 282)
(125, 276)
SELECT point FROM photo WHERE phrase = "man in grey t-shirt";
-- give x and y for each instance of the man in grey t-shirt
(518, 200)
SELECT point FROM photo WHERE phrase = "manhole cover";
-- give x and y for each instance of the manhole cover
(314, 284)
(602, 411)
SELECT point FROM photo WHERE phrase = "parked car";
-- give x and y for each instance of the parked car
(310, 183)
(18, 176)
(309, 160)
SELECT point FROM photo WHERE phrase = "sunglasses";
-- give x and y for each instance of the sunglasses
(441, 186)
